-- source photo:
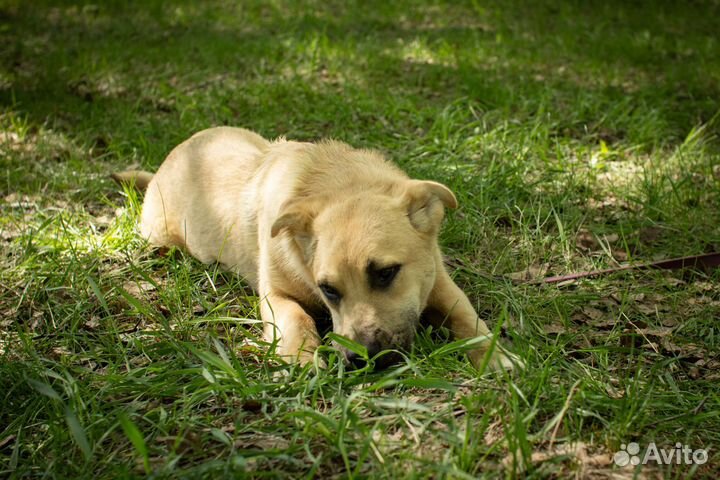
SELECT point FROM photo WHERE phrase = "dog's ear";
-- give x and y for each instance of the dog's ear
(426, 202)
(296, 220)
(296, 217)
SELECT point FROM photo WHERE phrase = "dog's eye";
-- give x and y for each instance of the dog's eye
(383, 277)
(331, 293)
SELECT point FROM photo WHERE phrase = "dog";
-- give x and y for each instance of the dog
(314, 227)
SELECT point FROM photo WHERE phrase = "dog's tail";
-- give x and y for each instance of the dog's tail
(137, 178)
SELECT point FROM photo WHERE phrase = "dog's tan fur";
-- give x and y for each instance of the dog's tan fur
(290, 216)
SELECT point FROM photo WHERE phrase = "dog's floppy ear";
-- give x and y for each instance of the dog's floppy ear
(426, 202)
(296, 217)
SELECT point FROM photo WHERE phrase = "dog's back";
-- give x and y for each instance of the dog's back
(195, 196)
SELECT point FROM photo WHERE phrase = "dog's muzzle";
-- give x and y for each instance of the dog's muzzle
(383, 349)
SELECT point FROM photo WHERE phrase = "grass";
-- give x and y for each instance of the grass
(576, 136)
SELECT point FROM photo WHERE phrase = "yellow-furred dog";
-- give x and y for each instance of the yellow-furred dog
(311, 225)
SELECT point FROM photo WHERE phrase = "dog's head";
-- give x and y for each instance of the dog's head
(372, 258)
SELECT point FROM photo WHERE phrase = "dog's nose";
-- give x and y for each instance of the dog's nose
(373, 348)
(355, 359)
(386, 360)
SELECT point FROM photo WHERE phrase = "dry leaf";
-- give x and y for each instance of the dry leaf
(93, 322)
(593, 313)
(651, 346)
(711, 364)
(533, 272)
(554, 329)
(614, 392)
(674, 281)
(494, 433)
(656, 332)
(583, 463)
(59, 352)
(688, 350)
(705, 286)
(585, 240)
(620, 255)
(650, 235)
(595, 317)
(669, 322)
(635, 297)
(262, 441)
(136, 289)
(611, 238)
(103, 221)
(646, 309)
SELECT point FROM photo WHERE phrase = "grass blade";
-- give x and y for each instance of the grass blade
(136, 438)
(78, 432)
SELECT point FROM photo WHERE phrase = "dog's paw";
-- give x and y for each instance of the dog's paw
(309, 358)
(301, 359)
(500, 359)
(304, 357)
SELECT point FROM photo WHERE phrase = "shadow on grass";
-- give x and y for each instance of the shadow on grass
(164, 69)
(131, 80)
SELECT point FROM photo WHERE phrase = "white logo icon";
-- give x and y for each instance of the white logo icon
(627, 455)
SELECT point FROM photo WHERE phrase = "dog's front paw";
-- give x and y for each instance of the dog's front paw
(299, 359)
(308, 358)
(302, 357)
(500, 359)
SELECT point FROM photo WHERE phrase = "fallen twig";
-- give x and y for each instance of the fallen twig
(707, 261)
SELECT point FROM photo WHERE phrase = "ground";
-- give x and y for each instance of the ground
(576, 135)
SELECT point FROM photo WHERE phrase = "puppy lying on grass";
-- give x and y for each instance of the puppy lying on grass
(311, 226)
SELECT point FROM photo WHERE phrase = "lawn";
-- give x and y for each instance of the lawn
(576, 135)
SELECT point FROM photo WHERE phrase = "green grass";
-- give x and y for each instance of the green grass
(575, 134)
